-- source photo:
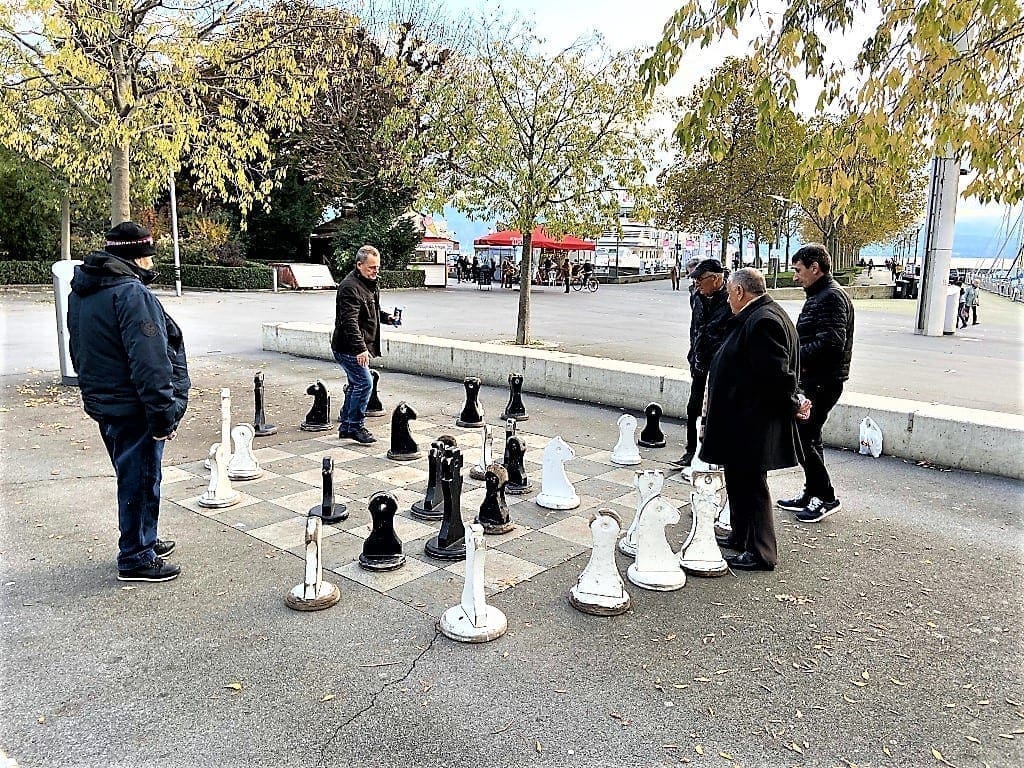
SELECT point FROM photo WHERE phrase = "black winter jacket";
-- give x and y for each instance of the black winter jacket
(357, 316)
(129, 354)
(708, 328)
(825, 326)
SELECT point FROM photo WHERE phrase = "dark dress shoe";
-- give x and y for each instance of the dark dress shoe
(748, 561)
(729, 543)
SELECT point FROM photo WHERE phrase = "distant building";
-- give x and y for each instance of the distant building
(435, 250)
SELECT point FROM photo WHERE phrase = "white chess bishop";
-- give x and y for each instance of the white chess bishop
(556, 492)
(313, 594)
(599, 589)
(219, 493)
(243, 465)
(473, 620)
(656, 566)
(626, 453)
(648, 484)
(700, 554)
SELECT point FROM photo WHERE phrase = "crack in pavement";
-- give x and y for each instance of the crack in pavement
(373, 698)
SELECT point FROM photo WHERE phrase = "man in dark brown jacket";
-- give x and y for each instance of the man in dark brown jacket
(356, 340)
(751, 418)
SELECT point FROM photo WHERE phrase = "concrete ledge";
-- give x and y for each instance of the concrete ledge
(962, 438)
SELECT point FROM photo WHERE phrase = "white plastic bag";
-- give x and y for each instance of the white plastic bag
(870, 437)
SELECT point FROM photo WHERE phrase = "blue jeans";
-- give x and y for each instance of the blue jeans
(360, 386)
(136, 458)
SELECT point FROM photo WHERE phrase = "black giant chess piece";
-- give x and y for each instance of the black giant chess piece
(319, 417)
(374, 407)
(450, 542)
(652, 436)
(259, 421)
(329, 510)
(515, 408)
(510, 431)
(472, 414)
(431, 506)
(515, 453)
(382, 550)
(403, 447)
(494, 515)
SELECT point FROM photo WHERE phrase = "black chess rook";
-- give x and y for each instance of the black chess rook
(319, 417)
(494, 516)
(515, 408)
(450, 542)
(430, 508)
(652, 436)
(382, 550)
(403, 446)
(328, 509)
(259, 420)
(472, 413)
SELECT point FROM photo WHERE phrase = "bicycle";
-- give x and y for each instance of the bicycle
(590, 283)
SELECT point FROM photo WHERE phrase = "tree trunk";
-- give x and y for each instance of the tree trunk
(120, 184)
(724, 251)
(525, 280)
(65, 227)
(757, 250)
(739, 230)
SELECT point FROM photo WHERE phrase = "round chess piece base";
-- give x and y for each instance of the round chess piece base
(374, 414)
(548, 501)
(381, 563)
(245, 475)
(468, 424)
(478, 474)
(266, 430)
(339, 514)
(723, 530)
(456, 552)
(213, 503)
(405, 456)
(329, 594)
(517, 416)
(420, 512)
(455, 624)
(307, 427)
(518, 490)
(599, 605)
(626, 461)
(627, 547)
(705, 568)
(651, 443)
(495, 530)
(658, 581)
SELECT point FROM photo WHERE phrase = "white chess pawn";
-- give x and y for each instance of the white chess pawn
(700, 554)
(219, 493)
(243, 465)
(556, 492)
(473, 620)
(648, 484)
(625, 452)
(479, 472)
(599, 589)
(313, 594)
(656, 566)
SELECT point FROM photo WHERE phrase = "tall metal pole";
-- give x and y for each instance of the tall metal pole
(942, 193)
(174, 237)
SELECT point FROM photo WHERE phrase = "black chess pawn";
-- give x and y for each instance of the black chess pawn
(319, 417)
(430, 508)
(329, 510)
(403, 446)
(651, 436)
(515, 456)
(494, 515)
(515, 408)
(382, 550)
(259, 420)
(510, 431)
(450, 542)
(472, 413)
(374, 408)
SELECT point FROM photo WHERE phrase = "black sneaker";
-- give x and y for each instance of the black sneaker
(155, 570)
(796, 504)
(343, 433)
(362, 435)
(163, 548)
(817, 510)
(685, 460)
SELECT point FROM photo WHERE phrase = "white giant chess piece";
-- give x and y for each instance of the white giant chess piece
(697, 465)
(723, 523)
(625, 452)
(656, 566)
(700, 554)
(599, 589)
(313, 594)
(243, 465)
(219, 493)
(473, 620)
(479, 472)
(648, 484)
(225, 425)
(556, 492)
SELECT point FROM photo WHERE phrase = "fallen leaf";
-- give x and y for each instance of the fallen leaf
(972, 739)
(699, 749)
(234, 686)
(937, 755)
(538, 747)
(794, 747)
(865, 675)
(897, 682)
(327, 697)
(726, 755)
(41, 719)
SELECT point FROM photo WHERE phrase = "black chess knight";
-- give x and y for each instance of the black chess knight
(515, 408)
(259, 420)
(472, 413)
(430, 508)
(319, 417)
(382, 550)
(652, 436)
(494, 515)
(403, 446)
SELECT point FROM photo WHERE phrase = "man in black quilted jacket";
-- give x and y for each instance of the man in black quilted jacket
(825, 327)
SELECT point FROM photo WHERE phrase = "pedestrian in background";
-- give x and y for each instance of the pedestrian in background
(972, 298)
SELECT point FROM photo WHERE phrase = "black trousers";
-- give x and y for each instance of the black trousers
(823, 398)
(750, 512)
(694, 408)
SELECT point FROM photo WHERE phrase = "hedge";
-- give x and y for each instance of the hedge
(401, 278)
(26, 273)
(252, 277)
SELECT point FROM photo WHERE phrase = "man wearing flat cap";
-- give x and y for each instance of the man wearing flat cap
(130, 359)
(709, 319)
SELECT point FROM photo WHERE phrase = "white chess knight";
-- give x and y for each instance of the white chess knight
(479, 472)
(625, 453)
(243, 465)
(700, 554)
(599, 589)
(556, 492)
(656, 566)
(473, 620)
(313, 594)
(648, 484)
(219, 493)
(225, 425)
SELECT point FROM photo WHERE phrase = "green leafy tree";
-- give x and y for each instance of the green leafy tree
(280, 230)
(382, 220)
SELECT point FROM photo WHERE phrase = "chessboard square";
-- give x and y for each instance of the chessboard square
(502, 571)
(197, 468)
(382, 581)
(584, 467)
(401, 475)
(336, 552)
(621, 476)
(626, 500)
(600, 457)
(406, 528)
(602, 490)
(431, 427)
(575, 477)
(256, 516)
(315, 476)
(534, 516)
(573, 528)
(288, 533)
(301, 447)
(433, 593)
(290, 465)
(362, 488)
(337, 453)
(193, 505)
(367, 465)
(406, 497)
(265, 455)
(186, 489)
(171, 475)
(303, 501)
(271, 486)
(542, 548)
(471, 500)
(497, 539)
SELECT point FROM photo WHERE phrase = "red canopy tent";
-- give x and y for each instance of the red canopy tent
(511, 237)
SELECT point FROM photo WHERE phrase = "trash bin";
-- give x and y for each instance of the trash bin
(911, 290)
(899, 291)
(952, 305)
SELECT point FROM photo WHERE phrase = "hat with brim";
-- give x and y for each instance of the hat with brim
(708, 266)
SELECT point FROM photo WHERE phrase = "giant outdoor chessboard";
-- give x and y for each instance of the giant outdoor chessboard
(272, 509)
